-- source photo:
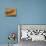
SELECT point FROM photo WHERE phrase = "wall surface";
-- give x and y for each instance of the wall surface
(28, 12)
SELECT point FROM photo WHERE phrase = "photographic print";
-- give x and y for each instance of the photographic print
(10, 11)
